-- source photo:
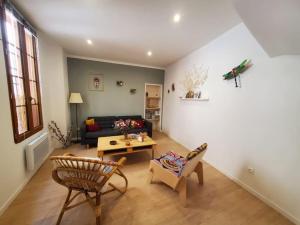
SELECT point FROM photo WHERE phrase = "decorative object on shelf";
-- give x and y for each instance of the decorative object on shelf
(120, 83)
(147, 94)
(173, 87)
(236, 71)
(193, 81)
(75, 98)
(197, 94)
(96, 83)
(132, 91)
(190, 94)
(65, 140)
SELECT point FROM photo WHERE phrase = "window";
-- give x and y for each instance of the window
(20, 50)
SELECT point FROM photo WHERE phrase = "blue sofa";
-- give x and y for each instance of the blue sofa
(107, 128)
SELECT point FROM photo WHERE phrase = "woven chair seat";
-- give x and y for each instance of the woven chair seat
(86, 176)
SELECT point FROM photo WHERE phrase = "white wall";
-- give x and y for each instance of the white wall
(256, 126)
(13, 174)
(56, 90)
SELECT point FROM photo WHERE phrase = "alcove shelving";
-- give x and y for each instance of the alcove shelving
(153, 104)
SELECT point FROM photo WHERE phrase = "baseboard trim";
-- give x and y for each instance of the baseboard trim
(266, 200)
(251, 190)
(20, 188)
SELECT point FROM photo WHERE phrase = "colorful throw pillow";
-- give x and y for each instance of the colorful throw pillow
(172, 162)
(197, 151)
(93, 128)
(137, 123)
(133, 124)
(127, 122)
(140, 123)
(120, 124)
(90, 122)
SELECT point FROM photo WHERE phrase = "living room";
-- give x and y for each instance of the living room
(150, 112)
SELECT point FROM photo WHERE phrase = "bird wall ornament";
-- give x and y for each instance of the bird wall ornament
(236, 71)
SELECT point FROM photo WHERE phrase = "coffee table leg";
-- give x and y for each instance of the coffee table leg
(153, 148)
(100, 155)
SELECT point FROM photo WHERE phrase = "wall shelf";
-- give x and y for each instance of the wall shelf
(194, 99)
(153, 119)
(152, 108)
(154, 97)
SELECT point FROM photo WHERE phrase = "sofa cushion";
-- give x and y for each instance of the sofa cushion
(106, 124)
(103, 133)
(134, 117)
(103, 118)
(137, 130)
(105, 121)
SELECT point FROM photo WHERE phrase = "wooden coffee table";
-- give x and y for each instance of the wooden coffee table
(105, 148)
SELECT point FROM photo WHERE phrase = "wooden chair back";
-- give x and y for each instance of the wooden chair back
(83, 174)
(192, 163)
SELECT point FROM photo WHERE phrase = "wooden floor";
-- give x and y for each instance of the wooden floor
(218, 202)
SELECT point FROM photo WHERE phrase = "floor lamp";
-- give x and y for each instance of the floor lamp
(75, 98)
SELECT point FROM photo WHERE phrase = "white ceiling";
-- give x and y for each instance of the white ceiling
(124, 30)
(274, 23)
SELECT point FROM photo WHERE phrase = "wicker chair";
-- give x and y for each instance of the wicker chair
(85, 176)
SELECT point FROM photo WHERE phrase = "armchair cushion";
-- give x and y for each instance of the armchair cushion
(173, 162)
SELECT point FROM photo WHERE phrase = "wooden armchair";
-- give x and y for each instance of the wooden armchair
(173, 170)
(85, 176)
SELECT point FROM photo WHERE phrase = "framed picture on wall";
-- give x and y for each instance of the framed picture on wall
(96, 83)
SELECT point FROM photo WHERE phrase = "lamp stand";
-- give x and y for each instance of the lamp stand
(76, 123)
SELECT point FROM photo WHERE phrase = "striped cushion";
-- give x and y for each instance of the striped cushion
(197, 151)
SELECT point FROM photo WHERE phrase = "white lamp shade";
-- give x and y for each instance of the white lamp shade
(75, 98)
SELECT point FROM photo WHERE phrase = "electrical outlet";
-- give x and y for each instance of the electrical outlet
(251, 170)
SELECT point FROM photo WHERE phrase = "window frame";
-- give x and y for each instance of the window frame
(31, 130)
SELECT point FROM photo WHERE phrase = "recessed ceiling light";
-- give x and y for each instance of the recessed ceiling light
(149, 53)
(89, 41)
(176, 18)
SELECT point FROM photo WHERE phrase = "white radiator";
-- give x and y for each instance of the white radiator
(37, 151)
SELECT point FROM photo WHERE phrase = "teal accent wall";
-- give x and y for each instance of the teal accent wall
(114, 100)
